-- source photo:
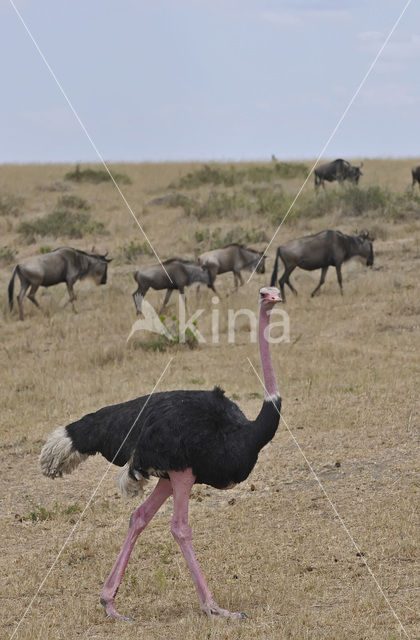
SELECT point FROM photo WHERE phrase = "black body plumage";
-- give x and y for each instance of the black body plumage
(177, 430)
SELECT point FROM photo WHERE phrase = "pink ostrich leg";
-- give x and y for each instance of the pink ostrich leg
(182, 483)
(138, 521)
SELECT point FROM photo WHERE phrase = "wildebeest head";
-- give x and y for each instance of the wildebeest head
(98, 267)
(261, 263)
(364, 240)
(354, 173)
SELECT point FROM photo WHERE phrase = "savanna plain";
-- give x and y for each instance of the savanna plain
(321, 541)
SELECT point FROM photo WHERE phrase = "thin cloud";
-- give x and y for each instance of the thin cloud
(301, 17)
(388, 96)
(399, 50)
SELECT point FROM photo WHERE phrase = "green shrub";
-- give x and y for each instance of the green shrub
(217, 205)
(230, 176)
(269, 202)
(73, 202)
(357, 200)
(162, 343)
(290, 169)
(348, 201)
(207, 240)
(178, 200)
(39, 514)
(285, 170)
(129, 253)
(95, 176)
(61, 222)
(10, 205)
(227, 177)
(7, 255)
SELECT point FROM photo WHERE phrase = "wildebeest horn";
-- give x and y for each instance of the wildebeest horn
(366, 235)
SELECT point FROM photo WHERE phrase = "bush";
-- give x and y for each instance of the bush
(129, 253)
(208, 240)
(7, 255)
(357, 200)
(73, 202)
(290, 169)
(10, 205)
(210, 175)
(61, 222)
(217, 205)
(95, 176)
(172, 200)
(162, 343)
(231, 176)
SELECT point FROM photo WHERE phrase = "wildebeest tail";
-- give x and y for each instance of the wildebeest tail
(275, 269)
(11, 286)
(59, 455)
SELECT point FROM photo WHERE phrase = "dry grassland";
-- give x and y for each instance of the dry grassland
(274, 546)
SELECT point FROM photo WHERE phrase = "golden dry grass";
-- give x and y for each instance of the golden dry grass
(273, 546)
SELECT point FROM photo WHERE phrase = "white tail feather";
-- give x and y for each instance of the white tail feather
(58, 455)
(128, 486)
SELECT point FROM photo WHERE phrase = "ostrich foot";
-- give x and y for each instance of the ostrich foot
(111, 612)
(214, 611)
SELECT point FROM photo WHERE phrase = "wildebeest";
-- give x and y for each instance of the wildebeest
(61, 265)
(337, 170)
(415, 174)
(233, 257)
(320, 251)
(177, 274)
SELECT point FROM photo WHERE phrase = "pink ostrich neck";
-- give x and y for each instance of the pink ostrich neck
(270, 382)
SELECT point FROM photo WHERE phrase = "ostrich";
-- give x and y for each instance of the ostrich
(183, 438)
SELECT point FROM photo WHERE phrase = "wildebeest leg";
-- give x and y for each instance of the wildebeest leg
(183, 297)
(72, 296)
(138, 298)
(235, 280)
(31, 294)
(285, 280)
(321, 282)
(24, 287)
(339, 278)
(291, 287)
(212, 271)
(166, 300)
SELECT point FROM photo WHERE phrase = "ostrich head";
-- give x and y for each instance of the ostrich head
(269, 296)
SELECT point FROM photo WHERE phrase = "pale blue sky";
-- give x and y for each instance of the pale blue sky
(208, 79)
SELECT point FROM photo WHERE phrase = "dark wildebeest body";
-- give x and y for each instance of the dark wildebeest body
(177, 274)
(337, 170)
(61, 265)
(415, 174)
(233, 257)
(320, 251)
